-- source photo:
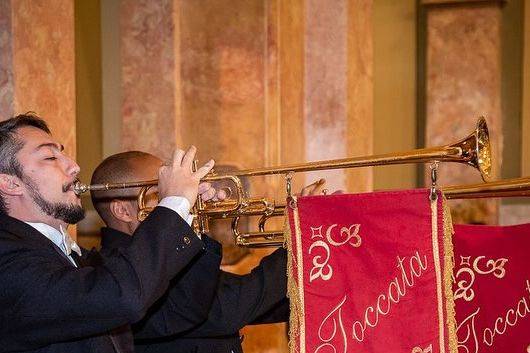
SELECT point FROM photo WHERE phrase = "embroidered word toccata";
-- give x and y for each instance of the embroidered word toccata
(471, 337)
(332, 332)
(397, 289)
(508, 319)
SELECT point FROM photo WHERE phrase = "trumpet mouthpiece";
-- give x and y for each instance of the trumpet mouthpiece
(80, 188)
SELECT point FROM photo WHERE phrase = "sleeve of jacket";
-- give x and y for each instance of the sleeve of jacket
(279, 313)
(241, 300)
(44, 300)
(187, 302)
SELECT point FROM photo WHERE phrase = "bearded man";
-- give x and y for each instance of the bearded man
(50, 299)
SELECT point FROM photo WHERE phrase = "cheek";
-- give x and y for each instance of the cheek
(44, 175)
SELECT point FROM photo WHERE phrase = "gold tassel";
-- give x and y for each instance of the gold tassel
(293, 291)
(449, 264)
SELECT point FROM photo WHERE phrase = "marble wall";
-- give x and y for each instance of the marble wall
(147, 72)
(463, 82)
(37, 63)
(338, 87)
(525, 164)
(6, 61)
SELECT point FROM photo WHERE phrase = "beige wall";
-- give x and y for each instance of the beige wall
(88, 81)
(111, 77)
(511, 86)
(88, 107)
(37, 64)
(394, 26)
(394, 88)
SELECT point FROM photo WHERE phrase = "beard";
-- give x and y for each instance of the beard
(67, 212)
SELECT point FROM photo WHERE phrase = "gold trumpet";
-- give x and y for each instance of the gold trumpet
(474, 150)
(518, 187)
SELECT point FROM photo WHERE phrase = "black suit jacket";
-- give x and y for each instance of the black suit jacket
(258, 297)
(187, 302)
(48, 305)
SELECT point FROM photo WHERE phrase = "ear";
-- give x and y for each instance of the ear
(123, 211)
(10, 185)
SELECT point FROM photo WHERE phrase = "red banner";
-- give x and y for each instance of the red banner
(371, 273)
(492, 288)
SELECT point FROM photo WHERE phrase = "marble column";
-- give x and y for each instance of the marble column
(338, 86)
(463, 82)
(148, 55)
(37, 59)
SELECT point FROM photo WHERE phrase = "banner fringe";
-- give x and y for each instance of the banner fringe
(449, 264)
(297, 311)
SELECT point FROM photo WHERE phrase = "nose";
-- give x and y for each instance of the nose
(72, 168)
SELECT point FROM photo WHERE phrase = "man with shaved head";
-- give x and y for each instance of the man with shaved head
(56, 297)
(236, 300)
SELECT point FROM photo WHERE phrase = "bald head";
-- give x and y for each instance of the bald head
(120, 168)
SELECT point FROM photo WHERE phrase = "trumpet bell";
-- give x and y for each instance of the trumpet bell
(483, 149)
(476, 149)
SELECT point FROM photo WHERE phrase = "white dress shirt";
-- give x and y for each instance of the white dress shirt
(179, 204)
(59, 237)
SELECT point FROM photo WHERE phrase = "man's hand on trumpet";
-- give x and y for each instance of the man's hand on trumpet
(176, 178)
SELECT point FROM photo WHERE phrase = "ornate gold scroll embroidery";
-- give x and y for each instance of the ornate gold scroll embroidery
(348, 235)
(465, 277)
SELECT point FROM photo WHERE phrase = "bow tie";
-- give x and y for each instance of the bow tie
(69, 244)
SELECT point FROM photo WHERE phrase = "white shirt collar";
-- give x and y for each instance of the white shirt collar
(59, 237)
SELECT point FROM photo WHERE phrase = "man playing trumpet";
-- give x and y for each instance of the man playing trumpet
(234, 301)
(52, 298)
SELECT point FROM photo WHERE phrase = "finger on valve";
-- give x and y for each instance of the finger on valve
(204, 186)
(208, 194)
(223, 194)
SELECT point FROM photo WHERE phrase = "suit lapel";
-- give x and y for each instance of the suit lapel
(63, 255)
(26, 232)
(80, 261)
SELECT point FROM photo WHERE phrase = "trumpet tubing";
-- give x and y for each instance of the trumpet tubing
(473, 150)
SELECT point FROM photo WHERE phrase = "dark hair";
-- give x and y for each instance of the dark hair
(117, 168)
(10, 145)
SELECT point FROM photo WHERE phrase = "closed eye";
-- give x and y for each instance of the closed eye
(50, 158)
